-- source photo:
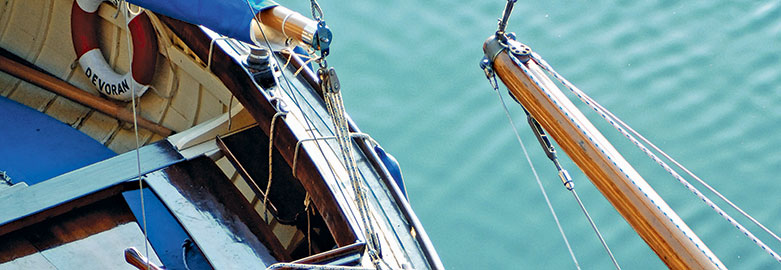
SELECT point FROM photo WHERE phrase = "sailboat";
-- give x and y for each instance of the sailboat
(534, 85)
(163, 135)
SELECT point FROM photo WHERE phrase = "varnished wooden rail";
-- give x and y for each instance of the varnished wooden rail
(65, 89)
(134, 258)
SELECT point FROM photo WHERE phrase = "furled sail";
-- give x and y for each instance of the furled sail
(228, 17)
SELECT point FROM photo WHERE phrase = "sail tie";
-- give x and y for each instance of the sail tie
(623, 127)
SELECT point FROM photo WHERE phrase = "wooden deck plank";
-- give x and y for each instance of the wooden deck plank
(231, 233)
(65, 192)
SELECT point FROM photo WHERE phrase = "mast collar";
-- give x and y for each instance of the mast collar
(495, 44)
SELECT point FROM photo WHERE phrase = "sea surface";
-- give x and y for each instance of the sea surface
(702, 79)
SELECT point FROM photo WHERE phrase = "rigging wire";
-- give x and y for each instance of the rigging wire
(537, 177)
(360, 196)
(594, 226)
(679, 165)
(135, 131)
(610, 118)
(705, 251)
(566, 179)
(290, 86)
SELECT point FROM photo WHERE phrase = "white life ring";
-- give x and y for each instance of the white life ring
(84, 27)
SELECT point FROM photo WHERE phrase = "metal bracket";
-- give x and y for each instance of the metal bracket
(321, 40)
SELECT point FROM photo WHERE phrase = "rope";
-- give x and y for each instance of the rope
(610, 118)
(270, 161)
(537, 177)
(290, 86)
(340, 129)
(335, 106)
(138, 144)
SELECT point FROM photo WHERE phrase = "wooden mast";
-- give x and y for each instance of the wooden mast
(667, 235)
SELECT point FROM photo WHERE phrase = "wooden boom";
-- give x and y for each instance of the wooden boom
(672, 240)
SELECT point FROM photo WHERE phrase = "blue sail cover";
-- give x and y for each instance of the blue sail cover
(228, 17)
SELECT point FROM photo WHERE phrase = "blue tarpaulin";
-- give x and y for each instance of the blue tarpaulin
(227, 17)
(35, 147)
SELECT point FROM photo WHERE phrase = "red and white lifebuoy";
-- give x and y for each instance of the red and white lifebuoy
(84, 32)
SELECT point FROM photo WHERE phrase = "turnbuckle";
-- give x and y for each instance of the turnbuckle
(549, 150)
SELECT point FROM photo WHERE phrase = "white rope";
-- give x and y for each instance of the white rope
(537, 177)
(138, 144)
(335, 106)
(340, 124)
(309, 126)
(616, 123)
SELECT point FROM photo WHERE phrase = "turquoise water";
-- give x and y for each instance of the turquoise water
(702, 79)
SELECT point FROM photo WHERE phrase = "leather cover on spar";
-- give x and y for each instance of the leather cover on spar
(228, 17)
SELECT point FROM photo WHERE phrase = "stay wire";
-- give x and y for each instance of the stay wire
(569, 184)
(679, 165)
(614, 122)
(537, 177)
(290, 86)
(594, 226)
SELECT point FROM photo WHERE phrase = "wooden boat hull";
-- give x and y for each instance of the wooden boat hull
(192, 94)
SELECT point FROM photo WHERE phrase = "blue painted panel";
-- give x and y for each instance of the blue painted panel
(35, 147)
(164, 232)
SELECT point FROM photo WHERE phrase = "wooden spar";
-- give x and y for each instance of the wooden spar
(286, 24)
(62, 88)
(667, 235)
